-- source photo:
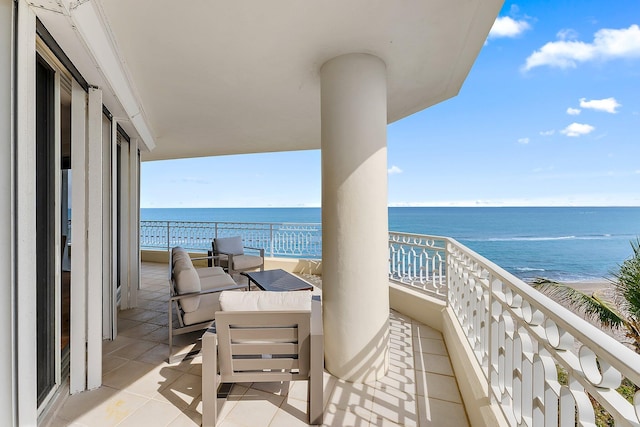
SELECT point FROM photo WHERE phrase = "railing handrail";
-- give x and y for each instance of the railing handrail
(163, 221)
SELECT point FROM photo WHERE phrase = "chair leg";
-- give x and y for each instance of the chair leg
(170, 311)
(209, 380)
(314, 407)
(316, 376)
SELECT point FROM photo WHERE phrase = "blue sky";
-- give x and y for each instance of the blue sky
(548, 116)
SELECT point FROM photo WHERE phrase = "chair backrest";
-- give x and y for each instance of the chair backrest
(263, 346)
(260, 345)
(229, 245)
(264, 336)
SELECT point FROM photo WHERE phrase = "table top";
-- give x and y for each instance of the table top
(277, 280)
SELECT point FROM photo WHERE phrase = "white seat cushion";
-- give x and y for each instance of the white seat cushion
(265, 301)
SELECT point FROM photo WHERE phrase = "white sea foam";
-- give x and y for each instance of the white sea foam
(542, 238)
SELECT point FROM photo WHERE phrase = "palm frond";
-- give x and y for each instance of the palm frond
(593, 307)
(627, 282)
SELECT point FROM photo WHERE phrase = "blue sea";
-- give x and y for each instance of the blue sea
(560, 243)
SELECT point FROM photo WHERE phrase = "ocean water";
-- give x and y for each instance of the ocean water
(561, 243)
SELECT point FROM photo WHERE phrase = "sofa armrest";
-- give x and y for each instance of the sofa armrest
(205, 257)
(261, 250)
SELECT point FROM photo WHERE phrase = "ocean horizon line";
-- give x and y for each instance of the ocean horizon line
(566, 243)
(397, 206)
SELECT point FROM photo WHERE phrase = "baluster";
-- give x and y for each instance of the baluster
(271, 239)
(168, 237)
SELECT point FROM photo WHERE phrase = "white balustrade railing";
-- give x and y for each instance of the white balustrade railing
(418, 261)
(277, 239)
(521, 339)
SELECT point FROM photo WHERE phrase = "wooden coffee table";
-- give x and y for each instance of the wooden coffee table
(277, 280)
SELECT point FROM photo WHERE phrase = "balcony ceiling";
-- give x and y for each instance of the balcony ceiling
(214, 78)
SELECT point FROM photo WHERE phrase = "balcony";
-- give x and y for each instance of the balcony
(140, 388)
(470, 344)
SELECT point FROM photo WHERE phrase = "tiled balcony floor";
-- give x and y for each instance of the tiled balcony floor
(141, 389)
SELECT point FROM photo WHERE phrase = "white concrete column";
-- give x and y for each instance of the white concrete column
(7, 313)
(354, 217)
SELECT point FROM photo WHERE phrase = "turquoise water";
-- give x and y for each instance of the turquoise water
(567, 244)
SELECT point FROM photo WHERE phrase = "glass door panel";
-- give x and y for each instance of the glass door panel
(45, 230)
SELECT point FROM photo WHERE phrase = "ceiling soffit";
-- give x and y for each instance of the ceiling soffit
(219, 78)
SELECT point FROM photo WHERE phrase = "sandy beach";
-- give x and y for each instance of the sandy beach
(604, 289)
(590, 286)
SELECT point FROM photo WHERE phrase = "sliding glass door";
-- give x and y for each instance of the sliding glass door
(45, 230)
(53, 231)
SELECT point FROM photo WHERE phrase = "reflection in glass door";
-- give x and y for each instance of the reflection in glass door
(65, 222)
(45, 230)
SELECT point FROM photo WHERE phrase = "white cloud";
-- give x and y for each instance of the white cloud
(393, 170)
(523, 141)
(505, 26)
(567, 34)
(547, 132)
(607, 44)
(577, 129)
(573, 111)
(608, 105)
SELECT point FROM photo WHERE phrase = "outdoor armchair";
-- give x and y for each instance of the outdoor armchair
(264, 337)
(230, 253)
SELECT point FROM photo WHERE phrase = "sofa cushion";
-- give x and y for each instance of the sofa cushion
(265, 301)
(179, 253)
(210, 271)
(246, 262)
(209, 304)
(229, 245)
(182, 262)
(187, 281)
(216, 281)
